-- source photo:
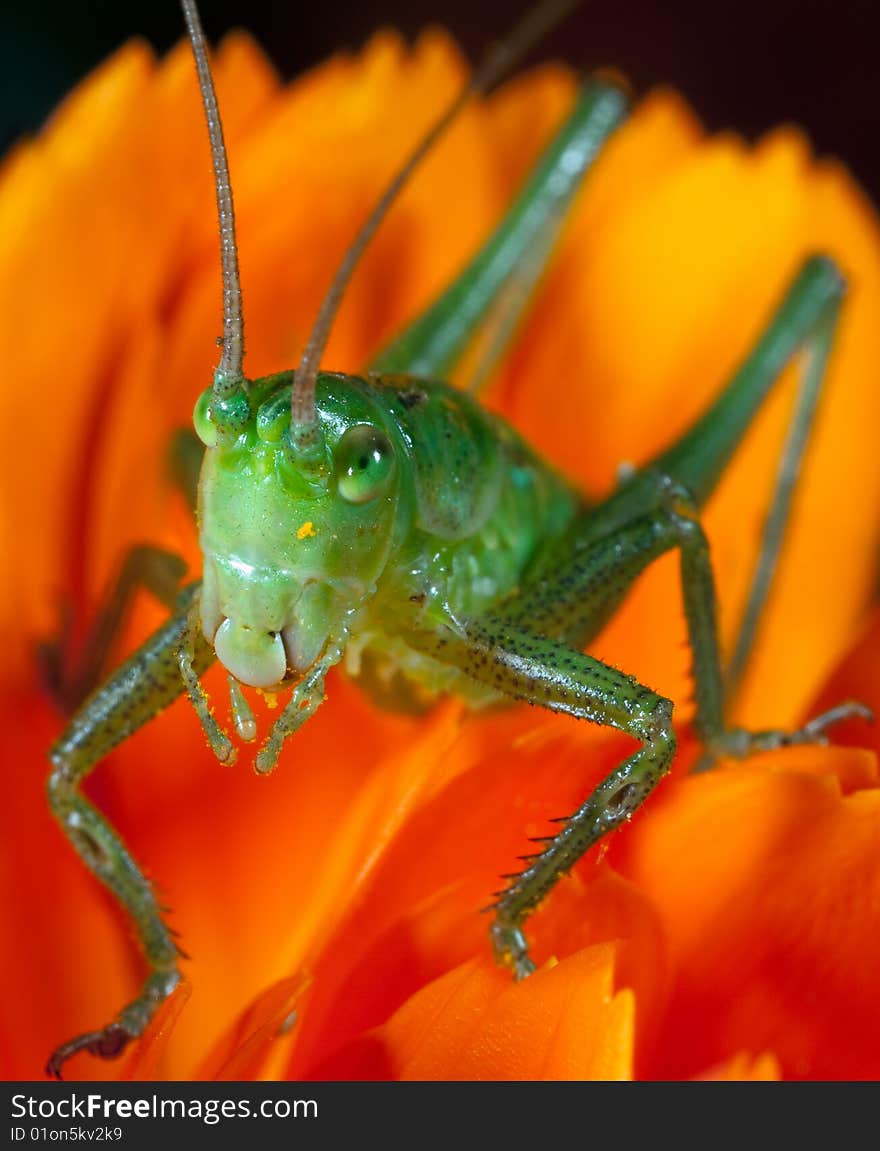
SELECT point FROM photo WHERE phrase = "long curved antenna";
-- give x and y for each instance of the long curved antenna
(229, 375)
(499, 59)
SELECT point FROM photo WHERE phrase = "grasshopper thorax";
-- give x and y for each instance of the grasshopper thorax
(291, 550)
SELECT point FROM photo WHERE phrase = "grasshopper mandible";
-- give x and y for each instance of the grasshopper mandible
(390, 514)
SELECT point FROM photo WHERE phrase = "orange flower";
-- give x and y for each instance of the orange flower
(731, 931)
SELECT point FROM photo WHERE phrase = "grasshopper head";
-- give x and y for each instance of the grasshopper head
(291, 551)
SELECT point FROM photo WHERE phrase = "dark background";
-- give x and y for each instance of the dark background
(745, 64)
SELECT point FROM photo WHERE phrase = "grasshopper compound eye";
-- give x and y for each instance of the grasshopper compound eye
(364, 464)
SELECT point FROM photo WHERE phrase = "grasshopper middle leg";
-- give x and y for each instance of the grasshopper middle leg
(527, 651)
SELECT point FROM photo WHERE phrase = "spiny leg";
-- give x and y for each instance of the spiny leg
(137, 691)
(547, 673)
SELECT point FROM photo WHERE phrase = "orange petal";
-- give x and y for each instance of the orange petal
(564, 1022)
(253, 1041)
(457, 841)
(768, 886)
(374, 845)
(744, 1068)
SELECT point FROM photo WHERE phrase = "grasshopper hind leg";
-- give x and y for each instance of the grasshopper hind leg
(70, 675)
(738, 742)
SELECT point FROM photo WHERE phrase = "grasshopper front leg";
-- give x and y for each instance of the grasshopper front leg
(145, 684)
(546, 672)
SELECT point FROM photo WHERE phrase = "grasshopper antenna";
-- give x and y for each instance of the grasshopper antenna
(497, 62)
(229, 375)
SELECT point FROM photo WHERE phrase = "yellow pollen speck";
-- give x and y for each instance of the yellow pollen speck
(307, 529)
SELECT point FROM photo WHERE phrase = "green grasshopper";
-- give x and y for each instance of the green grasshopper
(389, 513)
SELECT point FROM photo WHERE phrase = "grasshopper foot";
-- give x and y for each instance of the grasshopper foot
(738, 743)
(111, 1041)
(108, 1043)
(511, 949)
